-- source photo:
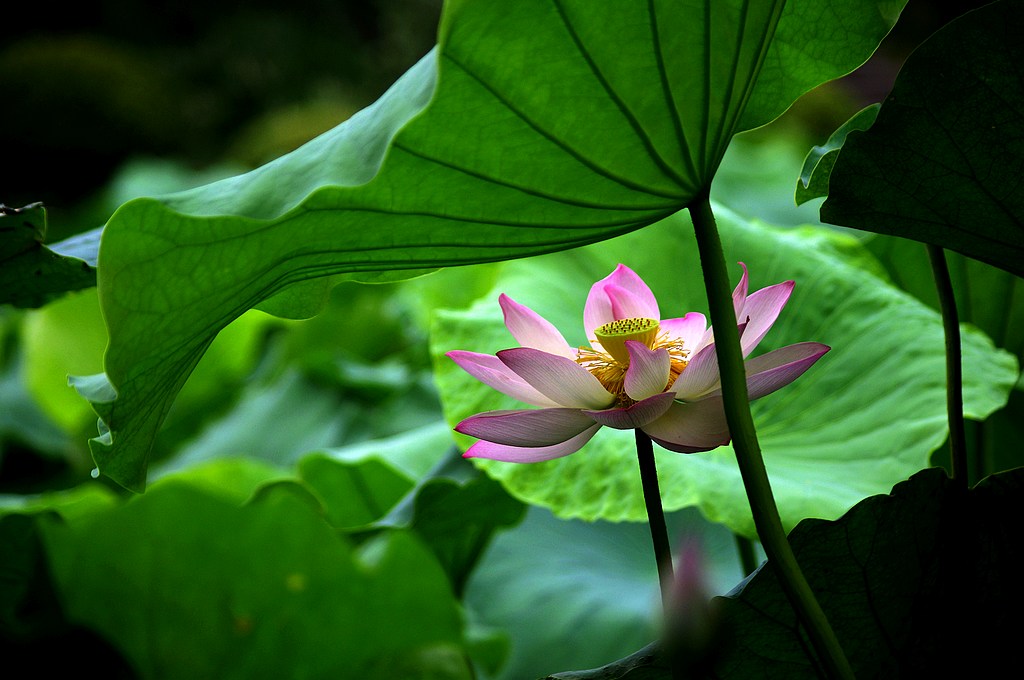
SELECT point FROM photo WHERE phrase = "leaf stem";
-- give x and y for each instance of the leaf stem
(748, 451)
(954, 368)
(655, 515)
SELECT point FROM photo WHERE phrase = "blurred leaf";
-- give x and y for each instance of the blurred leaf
(598, 580)
(646, 664)
(204, 588)
(868, 415)
(361, 325)
(22, 420)
(74, 504)
(549, 126)
(32, 274)
(358, 371)
(158, 176)
(220, 377)
(940, 163)
(756, 177)
(817, 168)
(32, 621)
(23, 576)
(353, 494)
(234, 479)
(66, 337)
(456, 510)
(276, 422)
(414, 452)
(458, 287)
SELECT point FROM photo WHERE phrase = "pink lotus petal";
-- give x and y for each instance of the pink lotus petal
(557, 378)
(533, 428)
(688, 330)
(521, 454)
(700, 376)
(760, 311)
(776, 369)
(691, 427)
(648, 370)
(492, 372)
(739, 293)
(637, 415)
(626, 305)
(597, 312)
(598, 309)
(707, 339)
(530, 329)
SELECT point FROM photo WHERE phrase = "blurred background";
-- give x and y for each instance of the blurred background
(203, 84)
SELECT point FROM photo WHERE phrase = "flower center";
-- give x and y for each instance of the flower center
(613, 336)
(610, 366)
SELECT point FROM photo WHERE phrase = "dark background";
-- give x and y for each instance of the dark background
(91, 85)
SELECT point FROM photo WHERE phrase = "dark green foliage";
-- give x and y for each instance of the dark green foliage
(31, 274)
(918, 583)
(942, 163)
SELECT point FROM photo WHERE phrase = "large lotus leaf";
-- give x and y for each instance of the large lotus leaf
(866, 416)
(187, 584)
(535, 126)
(942, 164)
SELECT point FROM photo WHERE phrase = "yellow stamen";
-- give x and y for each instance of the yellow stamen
(613, 336)
(611, 372)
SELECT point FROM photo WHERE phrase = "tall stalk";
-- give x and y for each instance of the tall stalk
(655, 515)
(954, 368)
(748, 451)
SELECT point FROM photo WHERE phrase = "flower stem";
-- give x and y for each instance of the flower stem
(954, 369)
(748, 452)
(747, 554)
(655, 514)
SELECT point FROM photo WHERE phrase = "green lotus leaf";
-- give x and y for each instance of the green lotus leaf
(187, 584)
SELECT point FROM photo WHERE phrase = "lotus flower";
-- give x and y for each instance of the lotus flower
(640, 371)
